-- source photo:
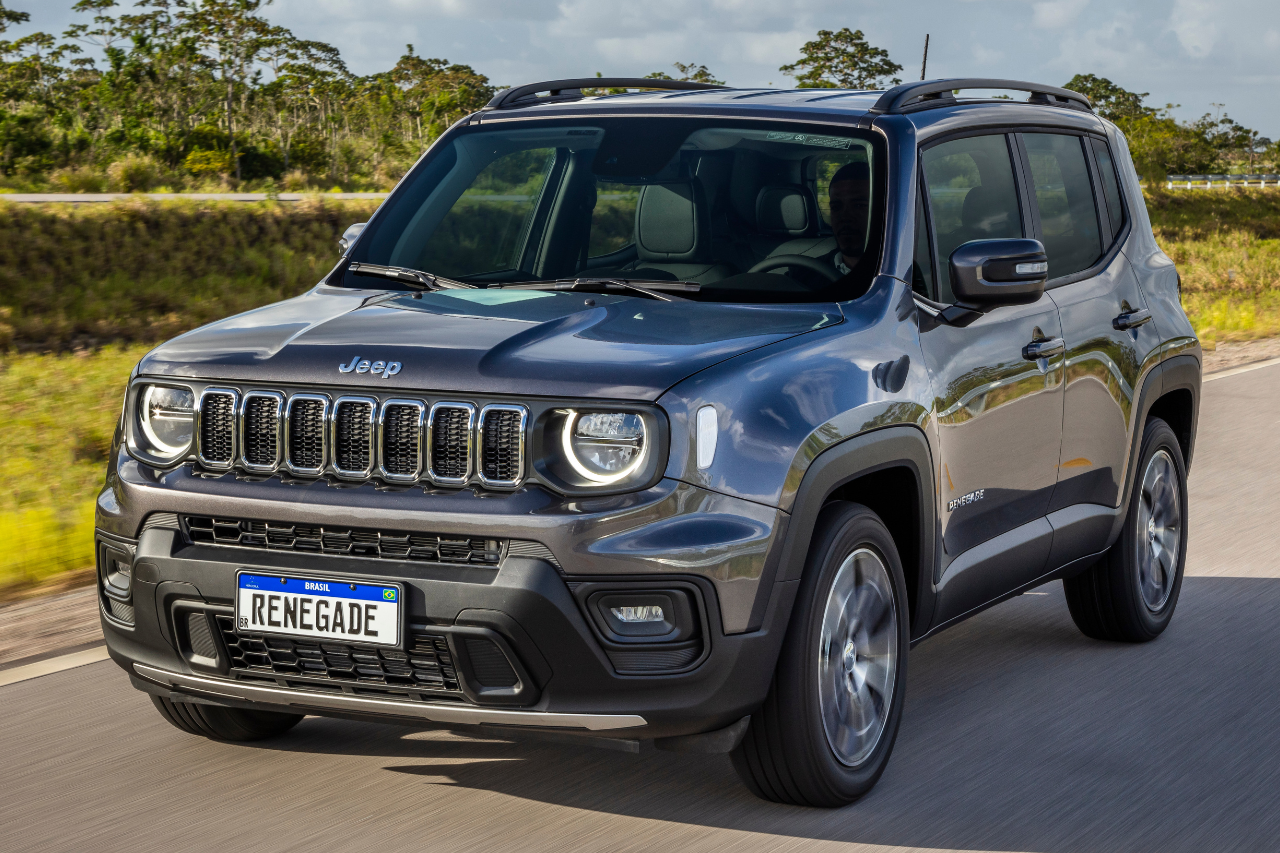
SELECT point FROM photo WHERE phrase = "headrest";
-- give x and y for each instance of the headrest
(672, 223)
(786, 210)
(983, 211)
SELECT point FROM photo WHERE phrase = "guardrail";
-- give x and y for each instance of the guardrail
(87, 198)
(1208, 182)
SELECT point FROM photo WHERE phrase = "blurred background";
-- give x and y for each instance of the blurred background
(305, 102)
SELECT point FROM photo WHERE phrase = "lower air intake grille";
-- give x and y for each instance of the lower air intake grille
(489, 666)
(654, 660)
(352, 439)
(500, 456)
(426, 666)
(450, 440)
(344, 541)
(306, 434)
(401, 439)
(217, 428)
(120, 610)
(199, 635)
(261, 431)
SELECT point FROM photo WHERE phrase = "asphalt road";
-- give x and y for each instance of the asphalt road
(1019, 735)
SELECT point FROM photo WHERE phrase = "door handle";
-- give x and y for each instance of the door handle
(1044, 349)
(1132, 320)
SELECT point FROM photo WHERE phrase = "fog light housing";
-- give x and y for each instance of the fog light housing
(115, 572)
(664, 616)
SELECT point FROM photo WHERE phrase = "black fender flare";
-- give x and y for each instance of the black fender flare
(1182, 372)
(866, 453)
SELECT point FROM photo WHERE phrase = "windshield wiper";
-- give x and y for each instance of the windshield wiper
(413, 278)
(651, 289)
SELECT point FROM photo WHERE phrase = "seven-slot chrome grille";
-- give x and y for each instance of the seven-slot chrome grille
(357, 438)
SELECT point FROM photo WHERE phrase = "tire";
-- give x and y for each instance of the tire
(1129, 595)
(231, 724)
(802, 746)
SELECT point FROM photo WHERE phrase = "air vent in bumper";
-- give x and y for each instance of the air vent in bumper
(341, 541)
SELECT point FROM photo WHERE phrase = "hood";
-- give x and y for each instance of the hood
(482, 341)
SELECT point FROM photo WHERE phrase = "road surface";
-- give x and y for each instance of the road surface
(1019, 735)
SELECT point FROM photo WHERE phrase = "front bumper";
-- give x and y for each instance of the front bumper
(537, 613)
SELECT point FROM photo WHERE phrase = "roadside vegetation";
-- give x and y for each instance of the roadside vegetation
(89, 288)
(169, 95)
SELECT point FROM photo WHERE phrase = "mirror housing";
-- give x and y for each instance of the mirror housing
(348, 238)
(999, 272)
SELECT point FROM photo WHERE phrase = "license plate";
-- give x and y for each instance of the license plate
(319, 608)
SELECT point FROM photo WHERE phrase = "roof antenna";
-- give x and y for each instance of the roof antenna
(925, 63)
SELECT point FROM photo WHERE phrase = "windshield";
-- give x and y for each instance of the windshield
(736, 211)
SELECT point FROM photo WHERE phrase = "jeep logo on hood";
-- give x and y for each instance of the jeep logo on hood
(387, 369)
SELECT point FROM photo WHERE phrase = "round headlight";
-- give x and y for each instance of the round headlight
(604, 447)
(166, 421)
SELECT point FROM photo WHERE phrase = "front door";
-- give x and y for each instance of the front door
(999, 413)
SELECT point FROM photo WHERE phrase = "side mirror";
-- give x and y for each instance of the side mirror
(349, 236)
(999, 272)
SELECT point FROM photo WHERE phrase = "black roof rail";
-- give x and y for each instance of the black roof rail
(571, 90)
(928, 93)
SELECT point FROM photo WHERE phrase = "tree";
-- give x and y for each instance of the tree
(1109, 100)
(842, 60)
(691, 73)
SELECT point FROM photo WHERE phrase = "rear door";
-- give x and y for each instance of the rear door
(999, 414)
(1079, 215)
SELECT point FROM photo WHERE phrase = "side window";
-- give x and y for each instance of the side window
(613, 221)
(1064, 196)
(972, 196)
(824, 168)
(1110, 186)
(486, 228)
(922, 265)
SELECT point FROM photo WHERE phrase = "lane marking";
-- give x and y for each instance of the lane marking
(1257, 365)
(52, 665)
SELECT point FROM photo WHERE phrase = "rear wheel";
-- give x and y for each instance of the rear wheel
(234, 724)
(825, 732)
(1129, 595)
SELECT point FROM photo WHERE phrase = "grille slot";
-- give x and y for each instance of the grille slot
(449, 437)
(400, 431)
(217, 419)
(344, 541)
(502, 445)
(260, 430)
(426, 665)
(305, 437)
(353, 436)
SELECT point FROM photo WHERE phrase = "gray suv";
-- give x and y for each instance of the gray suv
(672, 416)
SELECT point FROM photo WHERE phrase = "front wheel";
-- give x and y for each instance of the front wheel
(1130, 593)
(232, 724)
(825, 732)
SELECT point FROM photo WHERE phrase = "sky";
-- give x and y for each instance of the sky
(1206, 55)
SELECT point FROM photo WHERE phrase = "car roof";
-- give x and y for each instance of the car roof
(930, 105)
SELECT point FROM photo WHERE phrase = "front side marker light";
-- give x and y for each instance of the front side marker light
(642, 613)
(708, 432)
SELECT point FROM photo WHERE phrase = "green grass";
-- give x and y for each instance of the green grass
(110, 280)
(1227, 248)
(57, 416)
(143, 271)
